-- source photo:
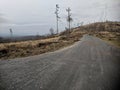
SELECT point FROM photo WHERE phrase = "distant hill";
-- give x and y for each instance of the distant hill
(21, 38)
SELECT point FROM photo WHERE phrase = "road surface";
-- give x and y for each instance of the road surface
(89, 64)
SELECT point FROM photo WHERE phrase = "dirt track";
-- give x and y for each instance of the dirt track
(90, 64)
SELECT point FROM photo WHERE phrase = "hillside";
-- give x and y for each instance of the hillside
(103, 26)
(109, 31)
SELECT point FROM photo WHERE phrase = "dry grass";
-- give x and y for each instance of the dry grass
(26, 48)
(108, 31)
(110, 37)
(36, 47)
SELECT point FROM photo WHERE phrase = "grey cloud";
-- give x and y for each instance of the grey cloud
(2, 20)
(27, 13)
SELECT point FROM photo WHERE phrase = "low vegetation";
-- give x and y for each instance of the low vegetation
(110, 37)
(35, 47)
(108, 31)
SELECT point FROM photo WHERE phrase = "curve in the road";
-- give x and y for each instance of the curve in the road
(90, 64)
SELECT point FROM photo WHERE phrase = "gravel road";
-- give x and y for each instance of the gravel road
(90, 64)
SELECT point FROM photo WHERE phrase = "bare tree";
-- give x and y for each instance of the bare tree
(37, 35)
(57, 17)
(11, 33)
(82, 23)
(78, 24)
(51, 31)
(69, 19)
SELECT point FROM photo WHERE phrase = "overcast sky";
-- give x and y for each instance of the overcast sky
(37, 16)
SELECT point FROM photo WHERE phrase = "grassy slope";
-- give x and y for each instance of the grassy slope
(36, 47)
(108, 31)
(111, 38)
